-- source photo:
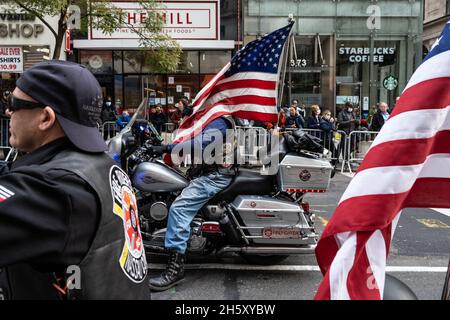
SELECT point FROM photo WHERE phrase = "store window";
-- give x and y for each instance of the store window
(34, 54)
(188, 62)
(213, 61)
(118, 62)
(354, 81)
(132, 91)
(155, 89)
(136, 61)
(352, 72)
(98, 62)
(387, 72)
(179, 86)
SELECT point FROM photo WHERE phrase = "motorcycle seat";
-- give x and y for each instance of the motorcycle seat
(246, 182)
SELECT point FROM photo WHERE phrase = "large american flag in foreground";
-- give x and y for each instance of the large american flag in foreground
(408, 165)
(246, 87)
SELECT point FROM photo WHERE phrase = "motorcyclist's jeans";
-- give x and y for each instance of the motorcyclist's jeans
(183, 210)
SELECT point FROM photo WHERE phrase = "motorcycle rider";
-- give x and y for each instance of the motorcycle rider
(207, 181)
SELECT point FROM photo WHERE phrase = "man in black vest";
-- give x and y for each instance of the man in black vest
(68, 220)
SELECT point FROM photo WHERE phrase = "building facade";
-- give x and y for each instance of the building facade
(118, 62)
(359, 51)
(24, 41)
(436, 15)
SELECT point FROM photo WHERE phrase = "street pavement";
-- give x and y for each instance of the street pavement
(419, 257)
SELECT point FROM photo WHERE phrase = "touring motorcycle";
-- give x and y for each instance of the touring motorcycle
(261, 217)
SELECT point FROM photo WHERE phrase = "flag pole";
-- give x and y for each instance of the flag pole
(284, 58)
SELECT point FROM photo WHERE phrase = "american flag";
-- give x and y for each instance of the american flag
(246, 87)
(407, 166)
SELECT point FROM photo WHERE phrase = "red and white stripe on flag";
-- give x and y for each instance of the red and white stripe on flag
(246, 87)
(5, 193)
(408, 165)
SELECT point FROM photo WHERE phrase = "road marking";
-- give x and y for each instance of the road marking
(244, 267)
(445, 212)
(433, 223)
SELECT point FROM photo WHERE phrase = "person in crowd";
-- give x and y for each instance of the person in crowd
(108, 115)
(158, 118)
(282, 119)
(118, 107)
(176, 115)
(186, 109)
(347, 121)
(58, 207)
(372, 111)
(294, 120)
(328, 125)
(302, 110)
(380, 117)
(123, 120)
(313, 121)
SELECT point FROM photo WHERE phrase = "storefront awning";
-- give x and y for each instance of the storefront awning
(130, 44)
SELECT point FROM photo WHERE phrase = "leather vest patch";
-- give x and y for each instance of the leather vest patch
(132, 260)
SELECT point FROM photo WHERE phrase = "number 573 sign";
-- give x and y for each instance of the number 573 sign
(11, 59)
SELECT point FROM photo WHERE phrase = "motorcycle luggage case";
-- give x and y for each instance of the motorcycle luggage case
(302, 173)
(260, 213)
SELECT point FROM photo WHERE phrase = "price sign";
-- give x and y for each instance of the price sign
(11, 59)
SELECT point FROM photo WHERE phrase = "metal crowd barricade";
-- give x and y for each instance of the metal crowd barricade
(358, 144)
(169, 127)
(250, 141)
(108, 129)
(334, 141)
(167, 132)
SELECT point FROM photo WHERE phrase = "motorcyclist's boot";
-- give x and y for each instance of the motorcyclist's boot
(173, 274)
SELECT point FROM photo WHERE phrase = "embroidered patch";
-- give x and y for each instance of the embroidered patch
(132, 259)
(5, 193)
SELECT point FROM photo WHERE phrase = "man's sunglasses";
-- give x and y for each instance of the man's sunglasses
(15, 104)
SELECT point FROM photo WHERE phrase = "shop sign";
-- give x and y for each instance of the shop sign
(356, 55)
(19, 25)
(11, 59)
(390, 83)
(197, 20)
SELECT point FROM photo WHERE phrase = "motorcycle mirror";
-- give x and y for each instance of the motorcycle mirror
(394, 289)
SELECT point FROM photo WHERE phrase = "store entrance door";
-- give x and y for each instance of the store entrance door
(349, 92)
(305, 86)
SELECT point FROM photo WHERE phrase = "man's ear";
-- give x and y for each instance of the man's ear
(47, 119)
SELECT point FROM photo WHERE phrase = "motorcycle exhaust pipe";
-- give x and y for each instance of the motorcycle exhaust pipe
(268, 250)
(230, 230)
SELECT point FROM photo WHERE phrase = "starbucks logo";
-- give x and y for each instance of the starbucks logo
(390, 83)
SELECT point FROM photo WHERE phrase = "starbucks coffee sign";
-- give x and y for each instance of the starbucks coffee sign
(390, 83)
(363, 54)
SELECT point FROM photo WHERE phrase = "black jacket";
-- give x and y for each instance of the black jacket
(377, 121)
(56, 212)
